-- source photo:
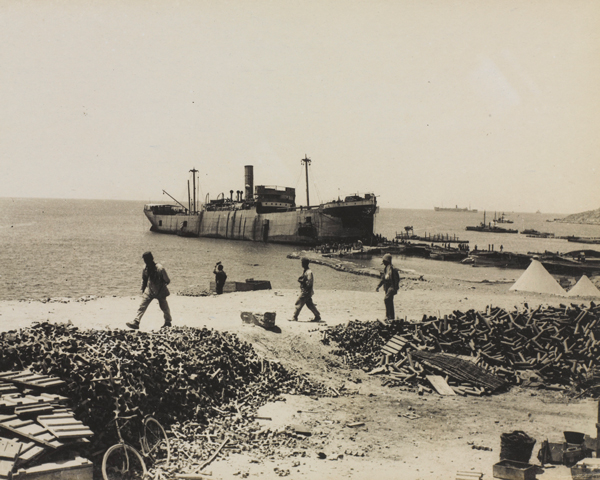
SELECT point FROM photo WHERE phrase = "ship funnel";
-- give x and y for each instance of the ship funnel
(249, 182)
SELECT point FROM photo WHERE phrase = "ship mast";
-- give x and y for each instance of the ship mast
(306, 161)
(189, 199)
(194, 172)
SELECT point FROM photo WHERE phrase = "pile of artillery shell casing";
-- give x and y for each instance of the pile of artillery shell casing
(560, 345)
(177, 375)
(192, 442)
(359, 343)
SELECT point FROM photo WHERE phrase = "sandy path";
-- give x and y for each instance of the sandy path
(415, 299)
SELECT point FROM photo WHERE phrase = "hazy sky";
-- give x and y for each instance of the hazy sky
(493, 104)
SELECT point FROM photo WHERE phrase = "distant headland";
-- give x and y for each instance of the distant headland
(591, 217)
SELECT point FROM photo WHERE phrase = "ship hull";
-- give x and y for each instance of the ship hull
(491, 230)
(584, 240)
(312, 226)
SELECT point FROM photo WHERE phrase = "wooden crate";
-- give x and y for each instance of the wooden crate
(64, 426)
(586, 469)
(32, 380)
(6, 387)
(77, 468)
(394, 345)
(247, 286)
(512, 470)
(265, 320)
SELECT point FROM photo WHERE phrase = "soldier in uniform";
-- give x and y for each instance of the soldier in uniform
(154, 285)
(306, 281)
(390, 280)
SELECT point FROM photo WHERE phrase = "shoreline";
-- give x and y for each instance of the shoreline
(416, 298)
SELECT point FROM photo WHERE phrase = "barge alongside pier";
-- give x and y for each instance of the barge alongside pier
(268, 214)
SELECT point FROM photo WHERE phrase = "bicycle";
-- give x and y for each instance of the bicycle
(123, 461)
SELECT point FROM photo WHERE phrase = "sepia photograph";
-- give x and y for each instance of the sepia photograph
(307, 239)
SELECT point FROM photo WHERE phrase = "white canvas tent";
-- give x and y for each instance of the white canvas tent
(537, 279)
(584, 288)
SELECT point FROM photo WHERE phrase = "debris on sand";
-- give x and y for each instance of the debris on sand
(203, 384)
(558, 345)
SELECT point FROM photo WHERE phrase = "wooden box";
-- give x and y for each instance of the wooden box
(586, 469)
(512, 470)
(77, 468)
(265, 320)
(249, 285)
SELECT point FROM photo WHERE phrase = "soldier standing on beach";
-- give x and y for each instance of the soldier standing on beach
(154, 285)
(390, 280)
(306, 292)
(220, 277)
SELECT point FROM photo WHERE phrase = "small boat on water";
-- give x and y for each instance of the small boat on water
(577, 262)
(424, 250)
(490, 227)
(447, 254)
(492, 258)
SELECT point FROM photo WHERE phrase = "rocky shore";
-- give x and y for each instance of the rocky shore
(591, 217)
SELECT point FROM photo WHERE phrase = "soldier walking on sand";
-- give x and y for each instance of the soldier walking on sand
(306, 292)
(390, 280)
(154, 285)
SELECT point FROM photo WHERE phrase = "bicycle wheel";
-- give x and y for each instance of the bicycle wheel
(156, 443)
(122, 461)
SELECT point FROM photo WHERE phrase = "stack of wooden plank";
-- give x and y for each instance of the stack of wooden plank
(37, 429)
(6, 387)
(33, 381)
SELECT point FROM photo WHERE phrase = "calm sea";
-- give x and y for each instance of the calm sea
(72, 248)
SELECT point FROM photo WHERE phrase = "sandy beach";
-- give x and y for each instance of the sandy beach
(436, 445)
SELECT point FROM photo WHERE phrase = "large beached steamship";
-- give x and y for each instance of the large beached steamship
(267, 214)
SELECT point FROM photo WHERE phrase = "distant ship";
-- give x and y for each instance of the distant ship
(491, 227)
(455, 209)
(502, 219)
(267, 214)
(530, 232)
(595, 240)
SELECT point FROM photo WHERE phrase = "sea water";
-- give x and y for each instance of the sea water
(71, 248)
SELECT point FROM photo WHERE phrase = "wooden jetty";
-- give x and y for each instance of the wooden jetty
(430, 238)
